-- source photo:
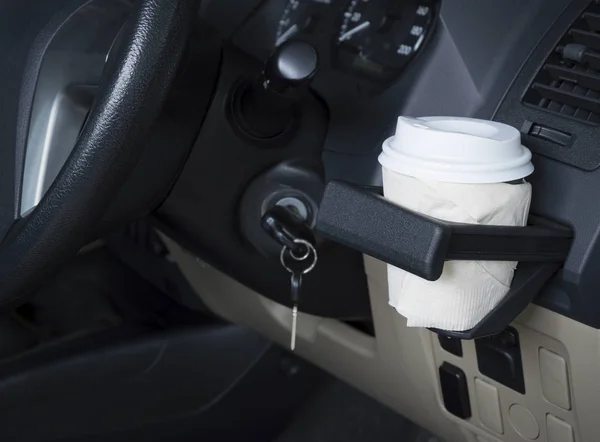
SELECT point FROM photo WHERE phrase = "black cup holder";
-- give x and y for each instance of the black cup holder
(363, 220)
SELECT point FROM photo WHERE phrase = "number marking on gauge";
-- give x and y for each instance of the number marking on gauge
(416, 31)
(422, 10)
(405, 50)
(378, 38)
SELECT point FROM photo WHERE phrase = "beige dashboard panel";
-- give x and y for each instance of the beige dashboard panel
(399, 366)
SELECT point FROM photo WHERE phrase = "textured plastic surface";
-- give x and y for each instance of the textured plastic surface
(202, 212)
(465, 71)
(564, 193)
(375, 226)
(292, 179)
(533, 243)
(172, 137)
(227, 15)
(420, 244)
(521, 102)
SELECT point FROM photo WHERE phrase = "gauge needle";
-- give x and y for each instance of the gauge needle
(346, 35)
(287, 34)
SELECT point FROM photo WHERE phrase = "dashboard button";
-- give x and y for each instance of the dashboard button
(523, 422)
(455, 392)
(488, 404)
(558, 430)
(451, 345)
(555, 379)
(499, 358)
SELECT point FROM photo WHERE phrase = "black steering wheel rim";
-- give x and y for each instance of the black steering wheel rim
(132, 91)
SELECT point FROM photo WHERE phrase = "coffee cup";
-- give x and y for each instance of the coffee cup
(461, 170)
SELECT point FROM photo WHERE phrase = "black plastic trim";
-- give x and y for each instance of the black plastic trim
(455, 391)
(564, 182)
(420, 245)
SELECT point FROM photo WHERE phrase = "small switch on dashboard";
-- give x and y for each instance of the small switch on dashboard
(451, 345)
(455, 392)
(499, 358)
(546, 133)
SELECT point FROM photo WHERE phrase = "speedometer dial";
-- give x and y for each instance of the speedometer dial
(299, 17)
(377, 38)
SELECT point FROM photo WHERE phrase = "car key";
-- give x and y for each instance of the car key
(296, 281)
(298, 266)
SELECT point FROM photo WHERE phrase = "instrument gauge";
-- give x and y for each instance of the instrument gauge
(378, 38)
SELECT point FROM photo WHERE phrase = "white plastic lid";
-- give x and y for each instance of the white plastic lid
(456, 150)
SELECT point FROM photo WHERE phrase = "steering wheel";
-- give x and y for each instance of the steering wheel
(132, 90)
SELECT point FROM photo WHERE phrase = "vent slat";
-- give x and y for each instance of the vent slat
(593, 20)
(592, 59)
(568, 83)
(587, 38)
(582, 78)
(568, 98)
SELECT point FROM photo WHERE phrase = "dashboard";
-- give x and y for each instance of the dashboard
(466, 64)
(528, 64)
(380, 59)
(364, 48)
(461, 62)
(369, 40)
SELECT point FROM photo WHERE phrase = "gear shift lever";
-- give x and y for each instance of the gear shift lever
(288, 74)
(267, 107)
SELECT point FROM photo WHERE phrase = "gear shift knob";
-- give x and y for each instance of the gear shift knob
(290, 70)
(268, 105)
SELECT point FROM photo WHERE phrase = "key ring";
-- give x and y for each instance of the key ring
(301, 257)
(309, 247)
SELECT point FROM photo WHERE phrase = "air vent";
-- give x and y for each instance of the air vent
(569, 81)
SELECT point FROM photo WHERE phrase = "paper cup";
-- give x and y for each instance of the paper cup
(456, 169)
